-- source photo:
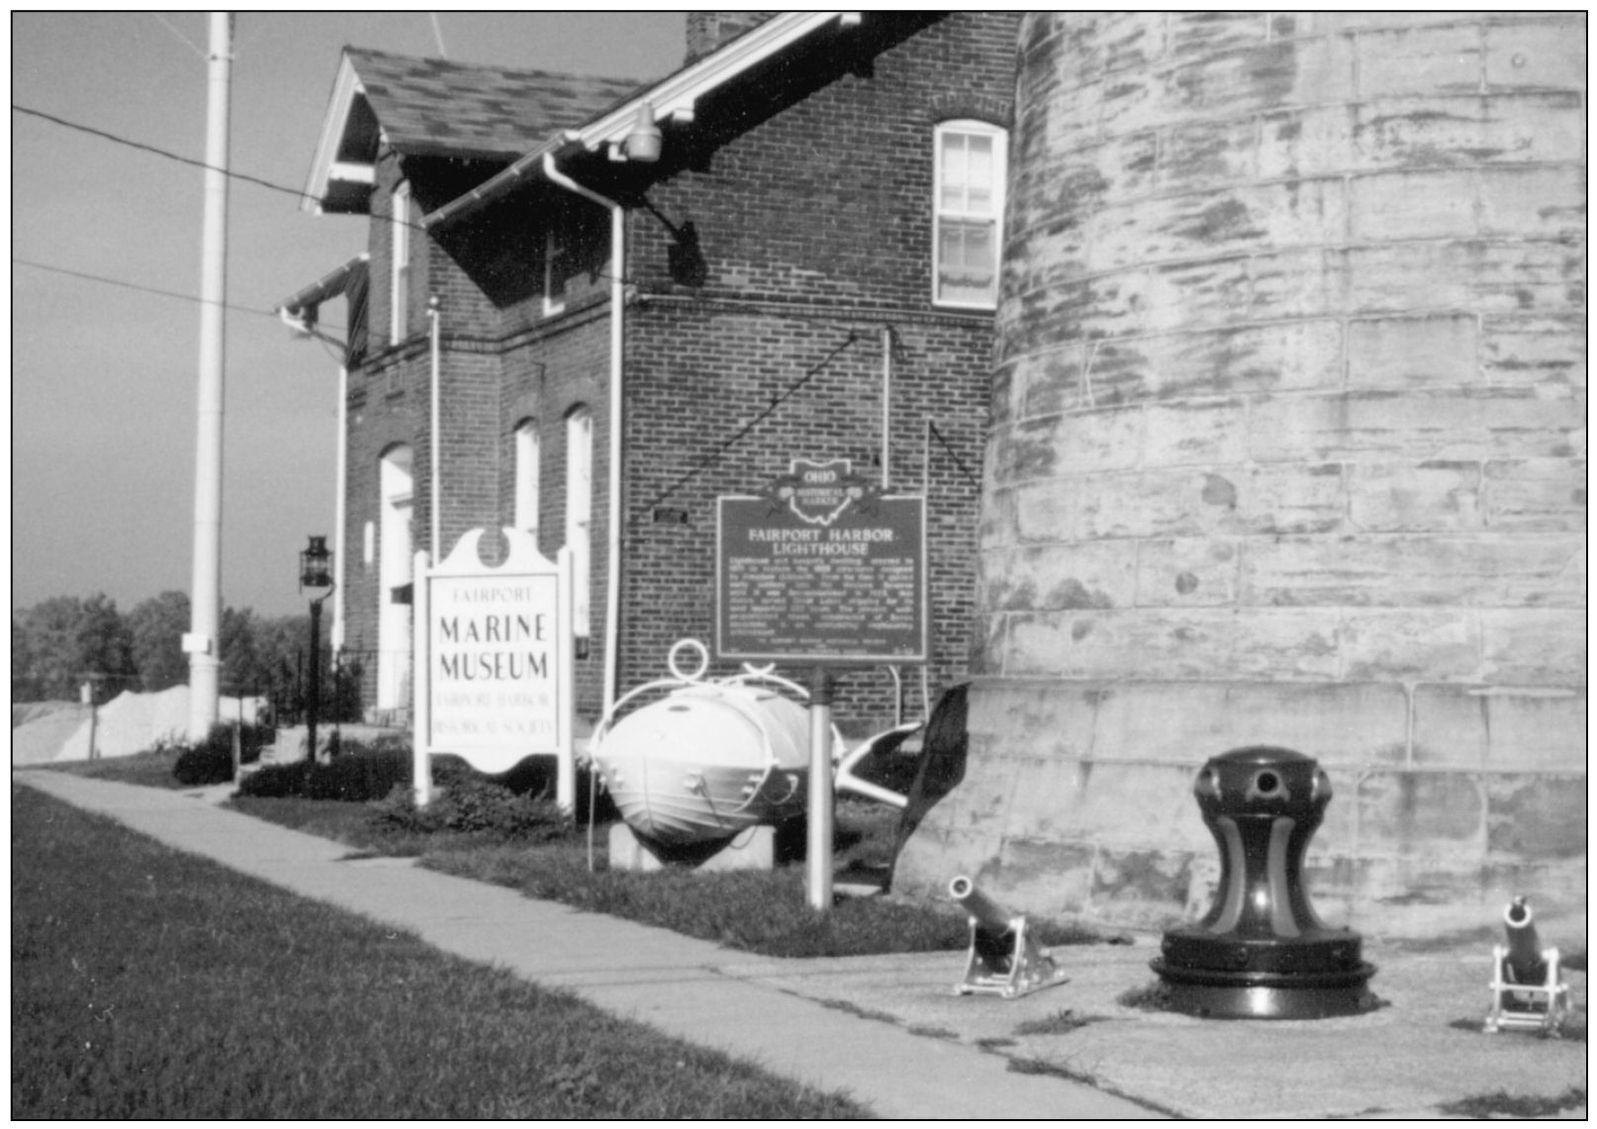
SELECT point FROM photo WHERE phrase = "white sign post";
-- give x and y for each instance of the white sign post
(493, 681)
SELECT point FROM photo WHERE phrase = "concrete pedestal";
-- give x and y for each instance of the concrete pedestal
(754, 849)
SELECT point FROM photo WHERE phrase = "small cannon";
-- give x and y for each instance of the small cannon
(1527, 993)
(1004, 960)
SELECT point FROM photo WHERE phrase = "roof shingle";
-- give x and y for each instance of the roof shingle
(436, 107)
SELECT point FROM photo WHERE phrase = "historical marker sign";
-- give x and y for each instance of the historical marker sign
(494, 658)
(823, 567)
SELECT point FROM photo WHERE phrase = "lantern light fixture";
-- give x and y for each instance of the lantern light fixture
(315, 565)
(644, 141)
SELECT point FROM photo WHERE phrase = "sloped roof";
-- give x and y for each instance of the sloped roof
(671, 101)
(435, 107)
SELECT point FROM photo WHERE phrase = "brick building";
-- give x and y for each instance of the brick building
(557, 329)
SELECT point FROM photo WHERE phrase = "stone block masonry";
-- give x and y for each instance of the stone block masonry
(1288, 448)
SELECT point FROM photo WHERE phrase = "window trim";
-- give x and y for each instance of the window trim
(1000, 138)
(527, 500)
(553, 246)
(579, 513)
(399, 263)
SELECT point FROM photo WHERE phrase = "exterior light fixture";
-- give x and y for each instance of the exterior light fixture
(643, 143)
(315, 565)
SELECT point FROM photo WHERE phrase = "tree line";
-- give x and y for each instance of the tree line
(64, 641)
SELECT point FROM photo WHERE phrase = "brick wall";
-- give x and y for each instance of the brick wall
(830, 200)
(1289, 449)
(547, 376)
(814, 224)
(387, 407)
(698, 376)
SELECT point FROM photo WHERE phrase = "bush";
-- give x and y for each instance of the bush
(275, 781)
(472, 803)
(364, 775)
(209, 762)
(357, 774)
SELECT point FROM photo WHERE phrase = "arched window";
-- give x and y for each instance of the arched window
(579, 511)
(526, 485)
(395, 545)
(971, 161)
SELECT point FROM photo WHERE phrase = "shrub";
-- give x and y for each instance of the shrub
(209, 762)
(252, 739)
(471, 803)
(358, 775)
(364, 775)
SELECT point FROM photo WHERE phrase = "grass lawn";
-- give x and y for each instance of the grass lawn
(765, 912)
(151, 984)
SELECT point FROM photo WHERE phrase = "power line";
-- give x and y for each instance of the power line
(959, 462)
(787, 394)
(297, 193)
(169, 155)
(147, 289)
(185, 40)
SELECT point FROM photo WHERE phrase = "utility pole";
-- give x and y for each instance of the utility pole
(203, 642)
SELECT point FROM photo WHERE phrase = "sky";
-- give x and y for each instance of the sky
(104, 377)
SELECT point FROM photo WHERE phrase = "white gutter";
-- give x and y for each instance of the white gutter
(674, 98)
(612, 567)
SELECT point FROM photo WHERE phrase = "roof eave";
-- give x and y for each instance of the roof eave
(326, 167)
(324, 289)
(672, 98)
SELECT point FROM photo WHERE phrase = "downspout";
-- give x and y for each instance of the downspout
(435, 440)
(612, 603)
(887, 402)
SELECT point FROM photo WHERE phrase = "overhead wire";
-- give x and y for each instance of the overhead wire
(776, 402)
(151, 289)
(959, 462)
(159, 152)
(106, 135)
(185, 40)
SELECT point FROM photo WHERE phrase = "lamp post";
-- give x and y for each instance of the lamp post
(315, 571)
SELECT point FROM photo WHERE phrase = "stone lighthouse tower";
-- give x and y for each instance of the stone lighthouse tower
(1288, 448)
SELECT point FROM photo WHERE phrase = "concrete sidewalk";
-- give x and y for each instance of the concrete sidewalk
(890, 1031)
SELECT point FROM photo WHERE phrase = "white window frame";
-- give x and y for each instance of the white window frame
(995, 216)
(579, 513)
(399, 264)
(528, 453)
(553, 246)
(395, 544)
